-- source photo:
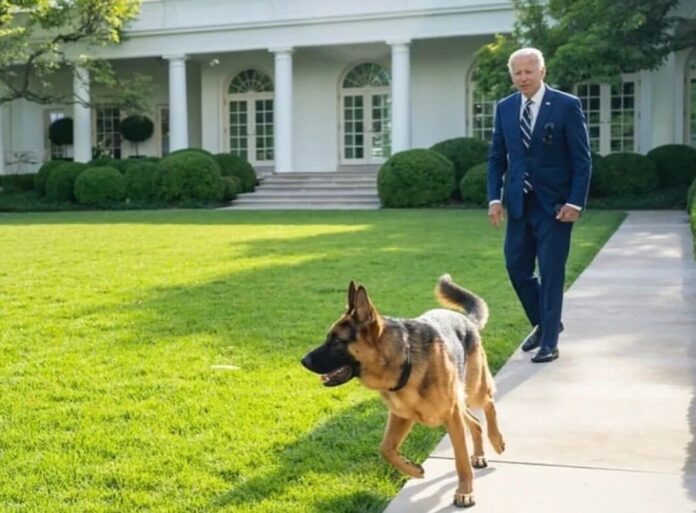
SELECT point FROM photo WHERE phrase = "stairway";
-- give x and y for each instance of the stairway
(354, 189)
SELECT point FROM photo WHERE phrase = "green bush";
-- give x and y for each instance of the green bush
(190, 176)
(16, 183)
(473, 186)
(691, 196)
(619, 174)
(232, 165)
(44, 173)
(188, 150)
(594, 190)
(137, 128)
(675, 163)
(230, 187)
(60, 132)
(464, 153)
(415, 178)
(60, 185)
(142, 182)
(103, 162)
(100, 186)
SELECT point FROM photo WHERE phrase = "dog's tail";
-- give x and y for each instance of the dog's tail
(452, 295)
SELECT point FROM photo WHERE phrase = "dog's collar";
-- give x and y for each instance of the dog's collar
(405, 373)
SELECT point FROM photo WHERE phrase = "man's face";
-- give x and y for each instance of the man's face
(527, 75)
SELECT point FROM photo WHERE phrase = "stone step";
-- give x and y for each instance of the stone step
(296, 193)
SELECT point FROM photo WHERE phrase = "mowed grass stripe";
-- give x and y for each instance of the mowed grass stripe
(149, 361)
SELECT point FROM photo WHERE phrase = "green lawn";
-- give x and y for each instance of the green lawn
(112, 323)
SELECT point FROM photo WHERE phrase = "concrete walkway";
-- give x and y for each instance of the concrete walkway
(610, 427)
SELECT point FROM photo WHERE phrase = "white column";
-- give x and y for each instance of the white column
(646, 112)
(178, 110)
(282, 121)
(401, 95)
(82, 117)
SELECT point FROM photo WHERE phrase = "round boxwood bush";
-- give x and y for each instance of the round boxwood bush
(594, 190)
(676, 164)
(137, 128)
(60, 185)
(232, 165)
(43, 174)
(100, 186)
(415, 178)
(142, 182)
(463, 152)
(231, 186)
(188, 150)
(60, 132)
(473, 186)
(619, 174)
(18, 182)
(190, 176)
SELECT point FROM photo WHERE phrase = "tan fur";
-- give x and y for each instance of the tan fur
(435, 393)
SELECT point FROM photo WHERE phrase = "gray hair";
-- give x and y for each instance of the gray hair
(526, 52)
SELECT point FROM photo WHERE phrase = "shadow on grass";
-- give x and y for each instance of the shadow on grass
(346, 444)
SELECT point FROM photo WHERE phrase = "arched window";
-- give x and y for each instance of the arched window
(367, 75)
(250, 81)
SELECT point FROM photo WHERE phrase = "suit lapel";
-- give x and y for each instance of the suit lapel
(544, 114)
(516, 106)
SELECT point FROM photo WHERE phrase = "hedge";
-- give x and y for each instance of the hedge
(100, 186)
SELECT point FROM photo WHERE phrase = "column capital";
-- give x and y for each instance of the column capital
(175, 57)
(399, 43)
(281, 49)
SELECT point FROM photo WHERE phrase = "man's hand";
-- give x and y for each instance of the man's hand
(567, 214)
(496, 214)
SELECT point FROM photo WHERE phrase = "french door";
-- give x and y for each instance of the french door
(250, 133)
(611, 114)
(365, 126)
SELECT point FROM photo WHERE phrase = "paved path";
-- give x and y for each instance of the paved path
(610, 427)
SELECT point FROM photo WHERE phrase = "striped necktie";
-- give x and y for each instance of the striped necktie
(526, 134)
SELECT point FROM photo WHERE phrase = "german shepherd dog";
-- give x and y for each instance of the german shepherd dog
(430, 369)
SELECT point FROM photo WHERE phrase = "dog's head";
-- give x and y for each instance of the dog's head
(350, 340)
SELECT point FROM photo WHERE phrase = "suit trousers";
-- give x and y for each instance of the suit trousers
(538, 238)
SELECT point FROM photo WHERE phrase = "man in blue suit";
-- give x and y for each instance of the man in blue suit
(539, 170)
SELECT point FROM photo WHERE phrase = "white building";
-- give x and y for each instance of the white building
(322, 85)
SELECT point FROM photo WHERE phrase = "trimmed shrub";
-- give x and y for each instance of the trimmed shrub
(190, 176)
(675, 163)
(232, 165)
(594, 190)
(230, 187)
(142, 182)
(60, 185)
(60, 132)
(44, 173)
(100, 186)
(187, 150)
(464, 153)
(415, 178)
(15, 183)
(137, 128)
(103, 162)
(473, 186)
(625, 173)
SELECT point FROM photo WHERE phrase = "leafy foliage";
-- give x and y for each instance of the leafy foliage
(583, 40)
(60, 185)
(464, 153)
(472, 186)
(190, 176)
(38, 36)
(232, 165)
(625, 173)
(676, 164)
(60, 132)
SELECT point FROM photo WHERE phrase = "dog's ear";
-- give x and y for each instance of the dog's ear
(364, 311)
(351, 296)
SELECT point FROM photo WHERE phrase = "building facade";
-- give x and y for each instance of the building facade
(324, 85)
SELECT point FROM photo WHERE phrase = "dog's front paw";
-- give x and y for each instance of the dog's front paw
(498, 443)
(479, 462)
(414, 470)
(464, 500)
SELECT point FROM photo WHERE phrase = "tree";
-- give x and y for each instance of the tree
(583, 40)
(40, 37)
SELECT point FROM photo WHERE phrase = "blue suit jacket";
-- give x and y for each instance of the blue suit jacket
(558, 160)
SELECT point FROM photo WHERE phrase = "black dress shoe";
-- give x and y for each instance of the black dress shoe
(545, 355)
(532, 340)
